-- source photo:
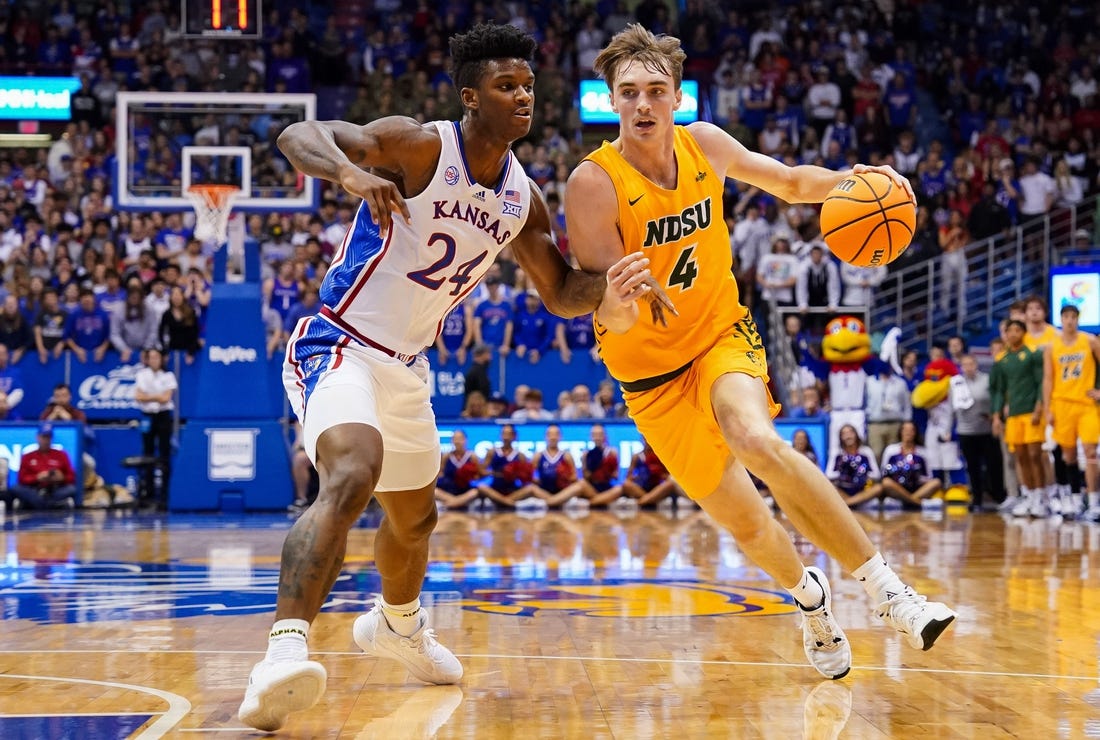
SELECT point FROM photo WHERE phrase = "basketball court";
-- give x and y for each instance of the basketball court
(118, 625)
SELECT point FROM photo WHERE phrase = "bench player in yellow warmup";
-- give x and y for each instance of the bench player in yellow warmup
(1070, 398)
(697, 388)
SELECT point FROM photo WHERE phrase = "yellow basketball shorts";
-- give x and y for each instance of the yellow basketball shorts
(1020, 431)
(677, 418)
(1075, 420)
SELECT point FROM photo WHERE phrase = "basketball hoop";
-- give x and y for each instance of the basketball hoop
(213, 204)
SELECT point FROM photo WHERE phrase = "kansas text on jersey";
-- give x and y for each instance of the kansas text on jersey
(392, 291)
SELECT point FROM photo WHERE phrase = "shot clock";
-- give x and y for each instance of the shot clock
(224, 18)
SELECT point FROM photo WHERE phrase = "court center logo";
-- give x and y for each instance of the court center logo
(231, 454)
(631, 599)
(58, 592)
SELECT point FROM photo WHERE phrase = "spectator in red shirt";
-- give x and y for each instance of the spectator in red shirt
(46, 476)
(60, 406)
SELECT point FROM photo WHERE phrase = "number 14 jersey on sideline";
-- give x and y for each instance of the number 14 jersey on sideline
(683, 234)
(392, 291)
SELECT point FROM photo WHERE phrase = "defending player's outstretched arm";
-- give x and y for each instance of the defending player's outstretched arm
(340, 152)
(596, 241)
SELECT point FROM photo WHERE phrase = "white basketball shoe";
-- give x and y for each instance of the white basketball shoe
(824, 641)
(277, 689)
(421, 653)
(920, 620)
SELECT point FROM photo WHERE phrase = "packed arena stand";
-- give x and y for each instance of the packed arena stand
(998, 132)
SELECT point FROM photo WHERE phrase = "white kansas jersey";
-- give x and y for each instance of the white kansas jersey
(392, 291)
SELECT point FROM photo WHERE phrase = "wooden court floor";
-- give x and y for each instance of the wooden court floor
(645, 626)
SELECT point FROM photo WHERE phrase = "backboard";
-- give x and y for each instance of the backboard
(166, 142)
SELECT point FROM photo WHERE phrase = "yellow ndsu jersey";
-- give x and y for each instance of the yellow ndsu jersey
(1034, 343)
(684, 235)
(1074, 368)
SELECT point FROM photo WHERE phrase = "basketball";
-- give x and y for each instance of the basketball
(868, 220)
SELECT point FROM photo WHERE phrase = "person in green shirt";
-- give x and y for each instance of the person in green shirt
(1016, 384)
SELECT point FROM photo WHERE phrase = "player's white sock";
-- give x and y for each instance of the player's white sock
(1076, 504)
(404, 619)
(878, 579)
(287, 641)
(808, 593)
(1094, 499)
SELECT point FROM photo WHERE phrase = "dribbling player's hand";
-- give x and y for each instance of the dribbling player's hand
(901, 180)
(629, 279)
(380, 195)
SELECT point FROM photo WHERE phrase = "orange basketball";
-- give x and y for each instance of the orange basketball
(868, 220)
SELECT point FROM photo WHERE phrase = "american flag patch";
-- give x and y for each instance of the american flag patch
(512, 196)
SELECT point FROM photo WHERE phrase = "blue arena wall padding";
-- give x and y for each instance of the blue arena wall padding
(231, 465)
(235, 376)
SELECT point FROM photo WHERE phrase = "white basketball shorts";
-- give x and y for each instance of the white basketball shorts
(333, 379)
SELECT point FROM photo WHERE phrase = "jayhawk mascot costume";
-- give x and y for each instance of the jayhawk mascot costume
(941, 393)
(846, 363)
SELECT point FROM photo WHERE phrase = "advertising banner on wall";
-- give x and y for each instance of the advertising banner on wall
(37, 98)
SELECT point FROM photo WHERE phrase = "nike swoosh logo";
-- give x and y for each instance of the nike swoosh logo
(632, 202)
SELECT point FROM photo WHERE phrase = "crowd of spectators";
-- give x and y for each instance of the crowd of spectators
(991, 111)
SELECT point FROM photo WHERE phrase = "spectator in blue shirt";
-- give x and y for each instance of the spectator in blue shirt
(54, 55)
(901, 105)
(287, 69)
(534, 328)
(972, 121)
(88, 328)
(113, 296)
(575, 335)
(1008, 188)
(789, 119)
(809, 407)
(172, 239)
(456, 334)
(493, 318)
(308, 305)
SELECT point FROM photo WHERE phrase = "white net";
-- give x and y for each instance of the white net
(212, 204)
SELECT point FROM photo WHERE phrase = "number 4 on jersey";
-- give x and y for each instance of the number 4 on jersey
(685, 271)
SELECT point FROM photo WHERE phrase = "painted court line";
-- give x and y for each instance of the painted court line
(178, 707)
(592, 659)
(36, 715)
